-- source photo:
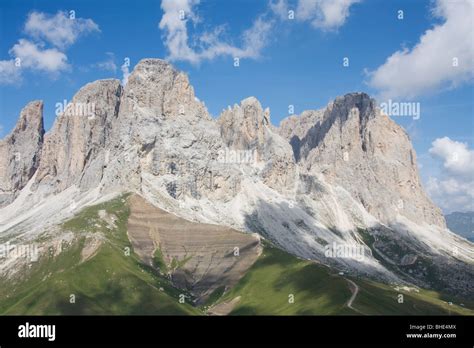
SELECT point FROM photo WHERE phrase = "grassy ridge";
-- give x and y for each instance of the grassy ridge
(266, 288)
(279, 283)
(114, 281)
(108, 283)
(380, 299)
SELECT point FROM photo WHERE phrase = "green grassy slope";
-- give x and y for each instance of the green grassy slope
(108, 283)
(266, 288)
(376, 298)
(113, 281)
(277, 278)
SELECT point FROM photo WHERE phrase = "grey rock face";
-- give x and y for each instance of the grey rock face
(356, 147)
(155, 131)
(20, 152)
(74, 149)
(155, 92)
(247, 128)
(321, 178)
(163, 132)
(294, 128)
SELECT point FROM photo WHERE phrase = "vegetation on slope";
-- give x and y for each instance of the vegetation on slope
(278, 277)
(113, 281)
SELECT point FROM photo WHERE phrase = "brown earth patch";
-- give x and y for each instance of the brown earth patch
(199, 257)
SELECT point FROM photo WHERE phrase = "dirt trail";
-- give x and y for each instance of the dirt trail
(224, 308)
(354, 290)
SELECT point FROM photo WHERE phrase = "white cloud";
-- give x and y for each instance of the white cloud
(34, 57)
(256, 37)
(31, 54)
(9, 73)
(457, 157)
(108, 64)
(60, 30)
(453, 190)
(451, 194)
(125, 72)
(210, 44)
(429, 65)
(176, 30)
(177, 14)
(280, 8)
(324, 14)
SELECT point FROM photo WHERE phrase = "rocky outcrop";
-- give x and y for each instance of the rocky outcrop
(156, 92)
(294, 128)
(20, 152)
(327, 177)
(245, 126)
(74, 151)
(246, 130)
(356, 147)
(164, 134)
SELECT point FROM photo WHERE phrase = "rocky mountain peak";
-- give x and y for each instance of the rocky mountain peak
(31, 117)
(319, 178)
(351, 141)
(156, 85)
(343, 105)
(151, 72)
(79, 134)
(155, 123)
(245, 126)
(19, 151)
(254, 112)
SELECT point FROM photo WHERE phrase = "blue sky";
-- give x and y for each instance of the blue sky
(297, 61)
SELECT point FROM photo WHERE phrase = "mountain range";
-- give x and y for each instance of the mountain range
(143, 174)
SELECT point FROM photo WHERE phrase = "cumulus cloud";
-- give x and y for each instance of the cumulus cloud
(9, 72)
(178, 14)
(31, 54)
(209, 45)
(107, 64)
(457, 157)
(125, 72)
(453, 190)
(280, 8)
(324, 14)
(60, 30)
(34, 57)
(256, 37)
(443, 57)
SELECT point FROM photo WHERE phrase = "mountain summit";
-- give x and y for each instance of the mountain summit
(344, 176)
(353, 142)
(20, 152)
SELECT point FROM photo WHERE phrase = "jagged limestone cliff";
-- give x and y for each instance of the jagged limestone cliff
(337, 176)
